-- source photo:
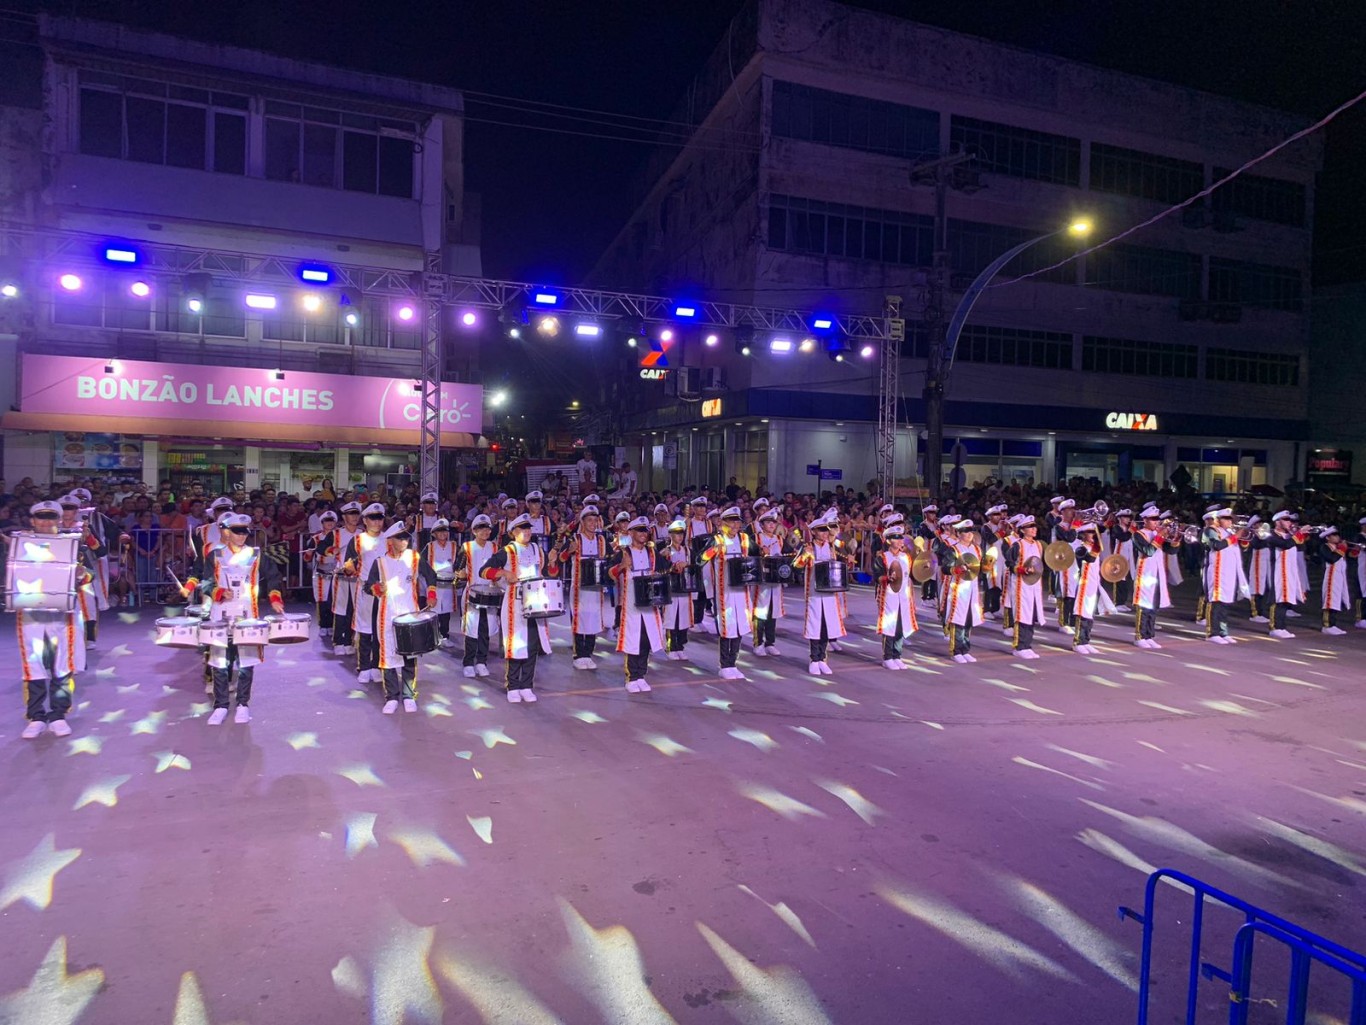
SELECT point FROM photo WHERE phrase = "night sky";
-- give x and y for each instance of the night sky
(552, 201)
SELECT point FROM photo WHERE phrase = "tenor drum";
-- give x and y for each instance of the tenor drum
(178, 632)
(593, 573)
(328, 565)
(46, 586)
(45, 548)
(830, 577)
(541, 598)
(742, 570)
(290, 628)
(651, 591)
(690, 581)
(777, 569)
(215, 634)
(415, 633)
(250, 631)
(485, 597)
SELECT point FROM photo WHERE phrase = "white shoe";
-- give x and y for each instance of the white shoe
(1063, 628)
(59, 728)
(1263, 619)
(481, 669)
(217, 716)
(970, 658)
(1230, 640)
(631, 686)
(683, 656)
(1360, 624)
(468, 672)
(732, 673)
(835, 646)
(961, 659)
(890, 663)
(1123, 608)
(1154, 645)
(363, 676)
(901, 663)
(773, 648)
(339, 649)
(1215, 639)
(35, 728)
(1292, 613)
(445, 642)
(642, 687)
(1022, 653)
(242, 715)
(514, 696)
(409, 705)
(814, 669)
(1031, 653)
(1331, 631)
(529, 696)
(1007, 630)
(92, 644)
(1199, 622)
(350, 649)
(825, 668)
(1283, 635)
(390, 707)
(760, 651)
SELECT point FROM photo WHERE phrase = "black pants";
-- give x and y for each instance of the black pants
(1082, 631)
(1261, 604)
(701, 606)
(443, 625)
(401, 683)
(584, 645)
(1024, 636)
(325, 624)
(638, 661)
(343, 633)
(1216, 618)
(1124, 592)
(1330, 618)
(1008, 616)
(993, 600)
(521, 672)
(891, 646)
(729, 648)
(1068, 611)
(1147, 623)
(477, 647)
(678, 640)
(821, 644)
(367, 645)
(960, 638)
(92, 630)
(1278, 611)
(48, 700)
(221, 677)
(765, 632)
(929, 590)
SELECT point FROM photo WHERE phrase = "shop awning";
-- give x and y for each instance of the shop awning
(226, 430)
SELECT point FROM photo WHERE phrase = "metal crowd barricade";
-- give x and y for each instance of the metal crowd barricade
(1305, 948)
(144, 571)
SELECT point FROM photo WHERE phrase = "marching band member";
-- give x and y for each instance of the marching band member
(1026, 599)
(767, 599)
(1090, 597)
(322, 581)
(700, 536)
(1209, 519)
(209, 534)
(425, 520)
(397, 581)
(1287, 586)
(508, 512)
(1065, 530)
(1361, 574)
(824, 619)
(659, 530)
(361, 554)
(91, 551)
(542, 523)
(343, 584)
(1050, 521)
(524, 640)
(620, 538)
(99, 525)
(675, 559)
(642, 626)
(1150, 576)
(478, 622)
(732, 602)
(895, 610)
(993, 568)
(1223, 574)
(963, 601)
(946, 540)
(1172, 557)
(929, 530)
(51, 648)
(236, 575)
(1122, 543)
(1302, 561)
(1333, 590)
(1258, 574)
(440, 555)
(588, 606)
(1007, 587)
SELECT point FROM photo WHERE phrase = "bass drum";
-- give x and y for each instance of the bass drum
(415, 633)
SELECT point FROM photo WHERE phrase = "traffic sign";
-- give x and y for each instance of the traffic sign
(832, 474)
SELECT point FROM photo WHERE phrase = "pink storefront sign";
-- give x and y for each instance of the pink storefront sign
(77, 386)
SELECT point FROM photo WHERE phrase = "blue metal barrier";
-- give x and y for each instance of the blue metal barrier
(1306, 949)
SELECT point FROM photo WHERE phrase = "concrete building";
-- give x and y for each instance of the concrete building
(1184, 345)
(146, 184)
(1337, 425)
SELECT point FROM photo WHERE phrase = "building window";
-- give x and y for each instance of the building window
(1017, 347)
(972, 246)
(1147, 271)
(812, 227)
(1019, 152)
(1263, 199)
(1256, 284)
(159, 123)
(333, 149)
(1131, 172)
(1245, 367)
(853, 122)
(1137, 358)
(749, 457)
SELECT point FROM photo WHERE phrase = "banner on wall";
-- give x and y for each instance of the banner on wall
(74, 450)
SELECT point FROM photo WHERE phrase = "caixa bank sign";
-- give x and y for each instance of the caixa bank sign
(1131, 421)
(172, 391)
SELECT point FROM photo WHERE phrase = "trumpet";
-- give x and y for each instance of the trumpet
(1095, 514)
(1174, 530)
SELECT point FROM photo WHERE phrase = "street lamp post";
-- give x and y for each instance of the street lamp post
(942, 352)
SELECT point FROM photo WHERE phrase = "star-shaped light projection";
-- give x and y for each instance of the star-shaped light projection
(35, 551)
(775, 801)
(835, 699)
(666, 746)
(360, 833)
(171, 760)
(425, 847)
(315, 681)
(482, 826)
(435, 709)
(299, 741)
(583, 715)
(1026, 703)
(52, 997)
(720, 703)
(348, 978)
(120, 651)
(493, 737)
(198, 708)
(361, 775)
(397, 585)
(31, 878)
(129, 617)
(786, 914)
(611, 971)
(805, 732)
(858, 804)
(766, 994)
(189, 1002)
(403, 989)
(149, 724)
(467, 755)
(105, 792)
(760, 740)
(87, 745)
(476, 703)
(113, 716)
(356, 695)
(496, 996)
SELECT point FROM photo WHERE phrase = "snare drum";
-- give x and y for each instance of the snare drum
(215, 634)
(485, 597)
(290, 628)
(689, 581)
(250, 631)
(415, 633)
(830, 577)
(327, 565)
(777, 569)
(592, 573)
(178, 632)
(541, 598)
(651, 591)
(742, 570)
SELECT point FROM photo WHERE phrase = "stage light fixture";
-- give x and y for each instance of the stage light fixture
(822, 323)
(140, 289)
(838, 357)
(667, 335)
(260, 301)
(631, 342)
(70, 282)
(806, 345)
(315, 274)
(548, 326)
(498, 398)
(745, 349)
(279, 375)
(744, 339)
(406, 313)
(867, 352)
(588, 330)
(121, 254)
(469, 318)
(194, 304)
(312, 302)
(545, 298)
(780, 346)
(514, 332)
(9, 290)
(685, 312)
(712, 340)
(352, 319)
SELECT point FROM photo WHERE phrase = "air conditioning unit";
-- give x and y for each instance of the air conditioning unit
(713, 379)
(1227, 313)
(685, 382)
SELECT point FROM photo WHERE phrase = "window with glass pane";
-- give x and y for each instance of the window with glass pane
(797, 225)
(1264, 199)
(1131, 172)
(1145, 271)
(146, 126)
(1019, 152)
(229, 143)
(854, 122)
(282, 150)
(396, 167)
(1255, 284)
(101, 123)
(1140, 358)
(186, 136)
(320, 155)
(359, 162)
(1248, 367)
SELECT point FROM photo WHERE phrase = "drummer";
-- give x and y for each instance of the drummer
(398, 581)
(479, 622)
(322, 577)
(440, 555)
(642, 626)
(91, 550)
(51, 649)
(343, 584)
(524, 640)
(733, 611)
(768, 597)
(542, 523)
(675, 559)
(895, 611)
(236, 574)
(700, 534)
(361, 554)
(588, 608)
(824, 620)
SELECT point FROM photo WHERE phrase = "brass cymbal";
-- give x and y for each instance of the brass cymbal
(1059, 556)
(1033, 570)
(970, 563)
(922, 569)
(895, 577)
(1114, 568)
